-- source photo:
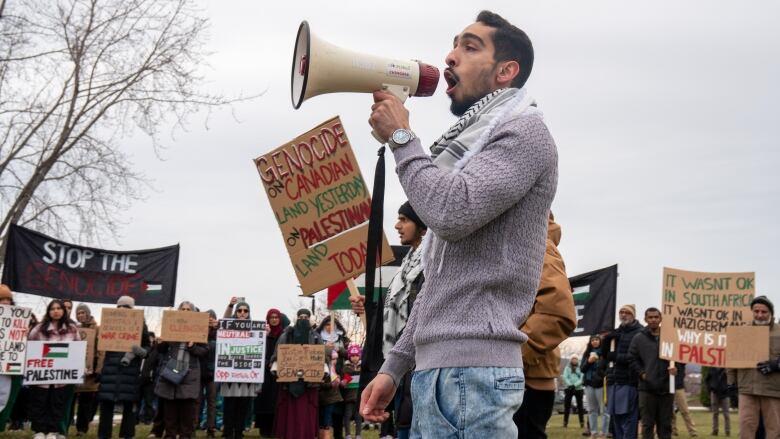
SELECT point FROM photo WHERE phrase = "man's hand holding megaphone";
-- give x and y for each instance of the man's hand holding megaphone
(387, 114)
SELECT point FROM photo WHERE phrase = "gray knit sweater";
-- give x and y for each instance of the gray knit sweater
(483, 260)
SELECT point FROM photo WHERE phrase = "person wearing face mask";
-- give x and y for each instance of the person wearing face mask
(622, 381)
(759, 388)
(238, 396)
(298, 403)
(48, 404)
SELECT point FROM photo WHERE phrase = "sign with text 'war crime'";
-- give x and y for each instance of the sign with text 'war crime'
(14, 322)
(240, 351)
(55, 362)
(38, 264)
(322, 205)
(698, 309)
(120, 329)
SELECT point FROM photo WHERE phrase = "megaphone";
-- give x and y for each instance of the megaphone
(320, 67)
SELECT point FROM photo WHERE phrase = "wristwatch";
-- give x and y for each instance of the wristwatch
(399, 138)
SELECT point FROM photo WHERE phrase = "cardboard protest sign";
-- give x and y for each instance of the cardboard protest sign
(749, 345)
(14, 322)
(120, 329)
(89, 335)
(185, 326)
(55, 362)
(322, 205)
(698, 308)
(240, 351)
(294, 361)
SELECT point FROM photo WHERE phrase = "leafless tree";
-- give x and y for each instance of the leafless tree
(77, 77)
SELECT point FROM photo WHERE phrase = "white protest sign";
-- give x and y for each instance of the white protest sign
(14, 322)
(240, 351)
(55, 362)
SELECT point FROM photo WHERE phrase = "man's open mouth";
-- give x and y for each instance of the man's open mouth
(452, 80)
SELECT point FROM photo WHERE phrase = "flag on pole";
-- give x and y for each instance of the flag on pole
(595, 296)
(338, 294)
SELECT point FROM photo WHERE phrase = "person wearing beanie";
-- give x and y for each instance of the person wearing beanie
(86, 394)
(573, 380)
(397, 307)
(759, 388)
(298, 402)
(350, 391)
(622, 381)
(120, 382)
(237, 397)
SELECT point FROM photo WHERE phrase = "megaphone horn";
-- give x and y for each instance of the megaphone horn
(320, 67)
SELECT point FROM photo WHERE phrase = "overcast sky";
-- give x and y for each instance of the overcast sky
(665, 115)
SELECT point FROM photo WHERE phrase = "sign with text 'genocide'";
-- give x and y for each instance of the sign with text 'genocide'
(240, 351)
(14, 322)
(185, 326)
(55, 362)
(322, 205)
(120, 329)
(295, 361)
(698, 309)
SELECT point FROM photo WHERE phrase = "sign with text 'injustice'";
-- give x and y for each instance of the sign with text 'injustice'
(698, 309)
(322, 205)
(240, 351)
(38, 264)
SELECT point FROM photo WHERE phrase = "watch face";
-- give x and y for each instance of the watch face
(400, 137)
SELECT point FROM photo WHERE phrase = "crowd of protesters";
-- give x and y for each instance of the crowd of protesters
(136, 383)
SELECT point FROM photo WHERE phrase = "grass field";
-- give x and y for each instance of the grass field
(555, 429)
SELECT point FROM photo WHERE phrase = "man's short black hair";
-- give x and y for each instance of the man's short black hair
(652, 309)
(512, 44)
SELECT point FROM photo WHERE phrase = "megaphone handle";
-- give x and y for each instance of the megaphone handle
(399, 91)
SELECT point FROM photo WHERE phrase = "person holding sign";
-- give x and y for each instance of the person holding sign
(7, 298)
(178, 386)
(656, 403)
(485, 195)
(87, 392)
(237, 396)
(120, 382)
(47, 404)
(296, 413)
(759, 388)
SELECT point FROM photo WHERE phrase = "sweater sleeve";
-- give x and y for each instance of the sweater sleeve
(454, 205)
(400, 359)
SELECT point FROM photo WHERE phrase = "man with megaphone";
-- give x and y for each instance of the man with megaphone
(485, 194)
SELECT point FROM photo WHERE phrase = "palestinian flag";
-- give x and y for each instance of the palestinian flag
(12, 368)
(338, 294)
(595, 297)
(152, 287)
(55, 350)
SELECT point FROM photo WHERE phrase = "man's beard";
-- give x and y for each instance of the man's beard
(766, 322)
(459, 107)
(626, 322)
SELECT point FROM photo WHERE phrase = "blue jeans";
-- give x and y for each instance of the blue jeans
(466, 402)
(595, 396)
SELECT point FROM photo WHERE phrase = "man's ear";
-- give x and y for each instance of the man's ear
(507, 72)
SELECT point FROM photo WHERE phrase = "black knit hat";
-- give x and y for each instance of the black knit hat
(764, 301)
(303, 311)
(407, 211)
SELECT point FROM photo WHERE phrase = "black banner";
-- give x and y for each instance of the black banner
(595, 294)
(38, 264)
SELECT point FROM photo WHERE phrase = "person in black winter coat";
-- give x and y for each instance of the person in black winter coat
(594, 386)
(656, 403)
(208, 392)
(719, 398)
(120, 382)
(622, 395)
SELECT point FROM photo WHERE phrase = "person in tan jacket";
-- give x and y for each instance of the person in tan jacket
(759, 388)
(551, 321)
